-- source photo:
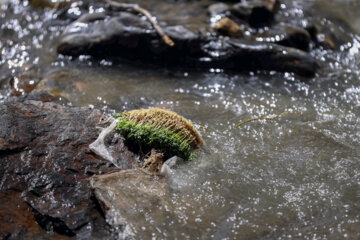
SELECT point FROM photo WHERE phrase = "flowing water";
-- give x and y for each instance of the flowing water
(296, 176)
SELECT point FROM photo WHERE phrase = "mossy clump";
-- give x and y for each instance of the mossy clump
(160, 129)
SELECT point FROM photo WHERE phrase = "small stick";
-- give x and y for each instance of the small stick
(56, 6)
(150, 18)
(207, 129)
(261, 118)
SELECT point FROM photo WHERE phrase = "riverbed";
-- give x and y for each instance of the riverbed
(293, 176)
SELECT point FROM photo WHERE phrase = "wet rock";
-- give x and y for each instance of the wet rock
(272, 5)
(127, 196)
(45, 165)
(130, 37)
(245, 55)
(98, 34)
(123, 34)
(228, 27)
(218, 8)
(19, 84)
(49, 4)
(55, 86)
(325, 41)
(326, 30)
(27, 86)
(289, 36)
(16, 216)
(4, 81)
(255, 12)
(46, 96)
(331, 36)
(24, 83)
(137, 203)
(295, 37)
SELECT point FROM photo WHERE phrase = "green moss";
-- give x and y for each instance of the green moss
(161, 139)
(118, 115)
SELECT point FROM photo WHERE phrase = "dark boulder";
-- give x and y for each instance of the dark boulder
(331, 36)
(124, 34)
(256, 12)
(286, 35)
(129, 37)
(245, 55)
(45, 164)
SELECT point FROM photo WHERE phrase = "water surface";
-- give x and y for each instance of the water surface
(296, 176)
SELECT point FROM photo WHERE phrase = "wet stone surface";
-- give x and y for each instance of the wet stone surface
(131, 37)
(126, 196)
(293, 177)
(126, 34)
(45, 165)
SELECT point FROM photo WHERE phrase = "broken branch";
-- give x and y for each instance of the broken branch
(136, 8)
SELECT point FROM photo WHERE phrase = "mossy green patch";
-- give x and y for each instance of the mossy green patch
(150, 136)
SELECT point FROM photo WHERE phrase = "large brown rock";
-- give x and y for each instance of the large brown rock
(45, 165)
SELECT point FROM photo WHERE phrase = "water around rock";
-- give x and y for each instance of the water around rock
(292, 177)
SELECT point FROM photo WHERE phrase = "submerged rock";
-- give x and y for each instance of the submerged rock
(45, 164)
(127, 196)
(130, 37)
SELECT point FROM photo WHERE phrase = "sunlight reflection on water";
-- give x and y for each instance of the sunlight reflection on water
(295, 176)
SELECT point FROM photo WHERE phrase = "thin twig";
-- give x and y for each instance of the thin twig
(150, 18)
(207, 129)
(55, 8)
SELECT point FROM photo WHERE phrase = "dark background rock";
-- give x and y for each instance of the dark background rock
(295, 37)
(45, 164)
(218, 8)
(128, 36)
(255, 12)
(288, 36)
(245, 55)
(330, 37)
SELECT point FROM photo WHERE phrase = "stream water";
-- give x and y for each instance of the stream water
(297, 176)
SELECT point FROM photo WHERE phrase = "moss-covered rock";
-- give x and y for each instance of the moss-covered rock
(160, 129)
